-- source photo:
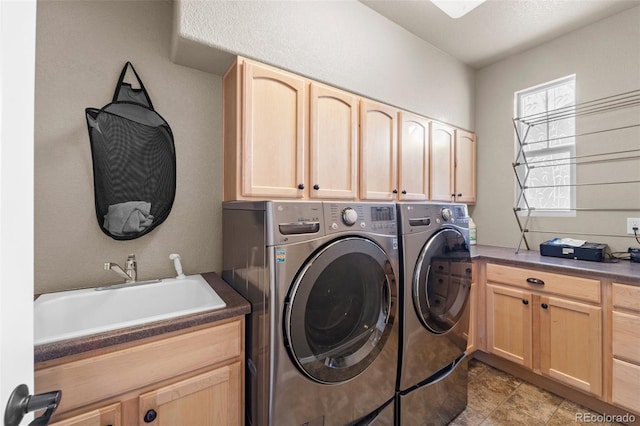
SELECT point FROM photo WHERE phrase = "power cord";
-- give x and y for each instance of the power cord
(635, 234)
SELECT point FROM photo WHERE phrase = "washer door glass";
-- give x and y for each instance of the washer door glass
(442, 280)
(340, 310)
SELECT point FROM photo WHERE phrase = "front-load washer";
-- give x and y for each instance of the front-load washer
(322, 337)
(436, 277)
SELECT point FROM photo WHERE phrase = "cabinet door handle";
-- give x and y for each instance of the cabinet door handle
(404, 192)
(395, 191)
(535, 281)
(316, 186)
(459, 195)
(525, 302)
(544, 306)
(150, 416)
(301, 186)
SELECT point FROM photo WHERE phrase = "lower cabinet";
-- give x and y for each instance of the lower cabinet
(206, 399)
(531, 323)
(190, 378)
(626, 346)
(105, 416)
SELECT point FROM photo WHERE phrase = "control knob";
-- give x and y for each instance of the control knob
(349, 216)
(446, 214)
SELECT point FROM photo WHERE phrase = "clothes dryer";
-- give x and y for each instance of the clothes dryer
(322, 337)
(436, 276)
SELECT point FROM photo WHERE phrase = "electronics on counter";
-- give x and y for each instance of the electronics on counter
(574, 249)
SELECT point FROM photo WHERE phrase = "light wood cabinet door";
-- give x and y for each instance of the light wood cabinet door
(378, 151)
(413, 164)
(212, 398)
(273, 133)
(105, 416)
(465, 167)
(333, 143)
(472, 336)
(571, 343)
(509, 324)
(626, 385)
(441, 166)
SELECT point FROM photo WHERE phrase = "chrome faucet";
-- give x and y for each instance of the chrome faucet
(130, 272)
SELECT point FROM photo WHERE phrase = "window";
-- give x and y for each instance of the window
(547, 128)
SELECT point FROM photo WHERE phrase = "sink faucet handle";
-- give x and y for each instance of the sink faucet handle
(131, 267)
(176, 263)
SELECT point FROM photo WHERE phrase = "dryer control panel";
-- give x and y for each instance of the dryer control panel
(425, 217)
(378, 218)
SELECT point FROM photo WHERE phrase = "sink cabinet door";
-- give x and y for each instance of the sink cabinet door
(212, 398)
(106, 416)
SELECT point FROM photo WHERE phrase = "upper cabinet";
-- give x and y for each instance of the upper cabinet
(441, 169)
(413, 158)
(333, 143)
(265, 113)
(378, 151)
(288, 137)
(453, 164)
(465, 167)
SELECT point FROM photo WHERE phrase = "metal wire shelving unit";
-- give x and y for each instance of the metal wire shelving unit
(523, 125)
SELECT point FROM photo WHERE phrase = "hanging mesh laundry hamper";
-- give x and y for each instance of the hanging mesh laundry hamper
(134, 163)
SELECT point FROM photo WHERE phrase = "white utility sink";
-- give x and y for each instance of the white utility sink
(75, 313)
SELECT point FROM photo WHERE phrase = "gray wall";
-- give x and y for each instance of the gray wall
(605, 57)
(81, 48)
(342, 43)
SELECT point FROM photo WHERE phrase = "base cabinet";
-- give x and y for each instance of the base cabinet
(625, 381)
(106, 416)
(206, 399)
(188, 378)
(530, 323)
(509, 332)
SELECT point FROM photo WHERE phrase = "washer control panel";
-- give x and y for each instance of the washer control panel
(378, 218)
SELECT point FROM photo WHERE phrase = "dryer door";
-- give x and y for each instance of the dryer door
(340, 310)
(442, 280)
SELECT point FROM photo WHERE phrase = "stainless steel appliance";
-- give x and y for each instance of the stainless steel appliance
(436, 276)
(322, 337)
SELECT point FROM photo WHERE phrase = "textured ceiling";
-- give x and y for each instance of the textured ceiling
(497, 28)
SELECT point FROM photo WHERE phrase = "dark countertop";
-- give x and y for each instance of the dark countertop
(622, 270)
(236, 306)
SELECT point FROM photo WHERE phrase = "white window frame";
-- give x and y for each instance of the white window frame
(569, 148)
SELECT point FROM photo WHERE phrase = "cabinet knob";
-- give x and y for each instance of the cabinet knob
(544, 306)
(395, 191)
(150, 416)
(459, 195)
(301, 186)
(404, 192)
(525, 302)
(316, 186)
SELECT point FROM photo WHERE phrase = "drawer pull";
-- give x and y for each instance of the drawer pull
(544, 306)
(525, 302)
(535, 281)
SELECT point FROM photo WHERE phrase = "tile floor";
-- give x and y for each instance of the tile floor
(498, 398)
